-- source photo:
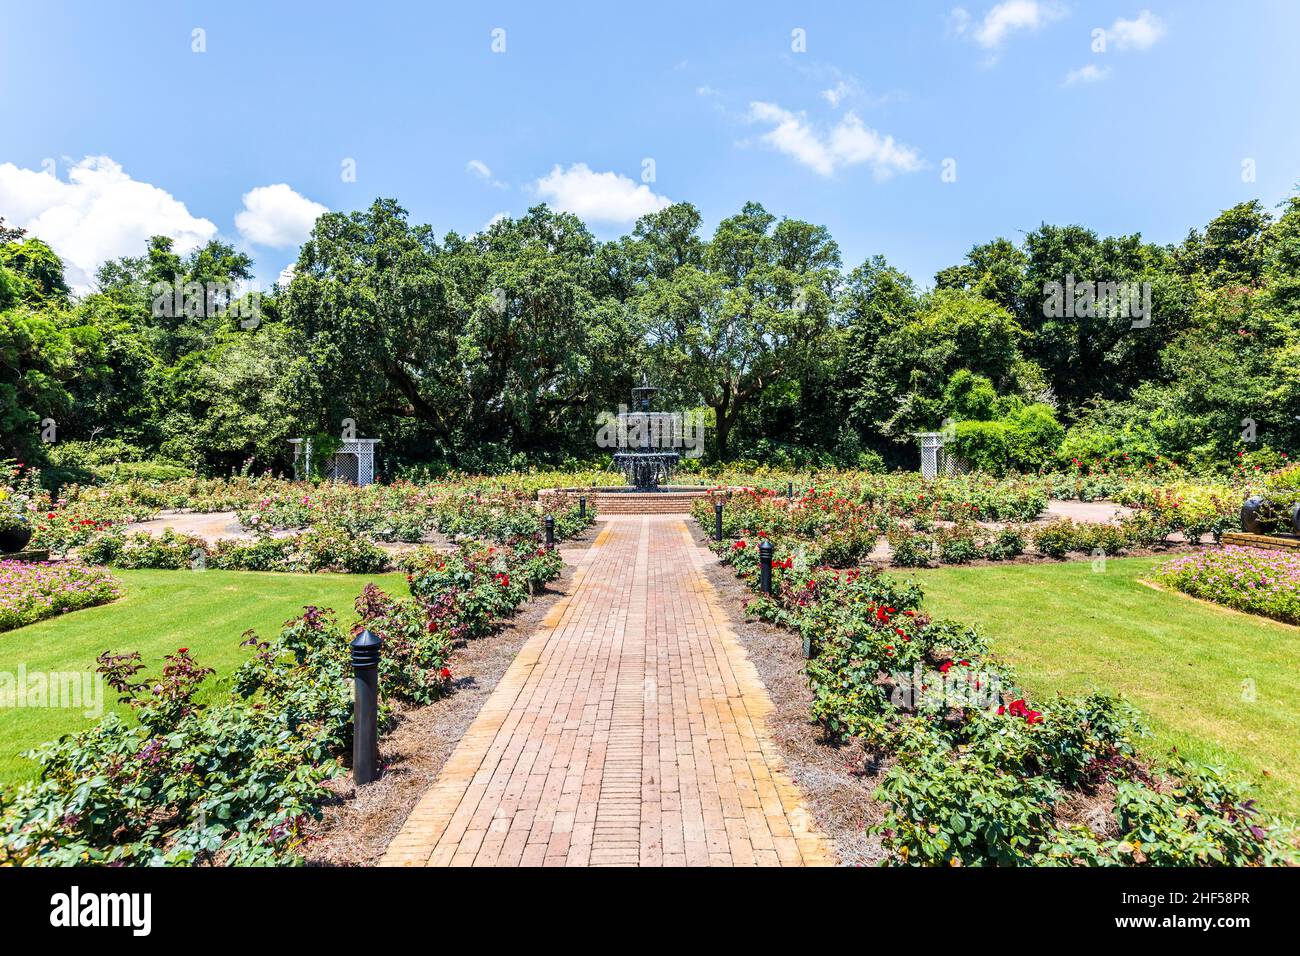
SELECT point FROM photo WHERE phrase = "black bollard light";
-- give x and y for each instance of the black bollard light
(550, 531)
(789, 490)
(582, 508)
(365, 709)
(717, 521)
(765, 566)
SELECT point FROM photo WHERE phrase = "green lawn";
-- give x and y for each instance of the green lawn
(1182, 661)
(159, 612)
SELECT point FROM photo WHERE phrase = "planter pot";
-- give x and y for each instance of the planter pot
(15, 539)
(1257, 516)
(1295, 517)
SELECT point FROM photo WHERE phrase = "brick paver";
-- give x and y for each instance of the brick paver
(627, 731)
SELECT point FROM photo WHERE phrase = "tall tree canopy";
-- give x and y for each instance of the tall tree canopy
(502, 347)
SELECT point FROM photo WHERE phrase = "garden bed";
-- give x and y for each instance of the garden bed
(33, 592)
(357, 826)
(835, 781)
(981, 773)
(1255, 580)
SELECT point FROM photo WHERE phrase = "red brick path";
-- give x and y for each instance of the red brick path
(628, 731)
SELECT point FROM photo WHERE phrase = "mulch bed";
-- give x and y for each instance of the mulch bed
(357, 827)
(837, 781)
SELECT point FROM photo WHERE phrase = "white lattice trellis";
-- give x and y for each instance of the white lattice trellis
(936, 459)
(931, 453)
(353, 461)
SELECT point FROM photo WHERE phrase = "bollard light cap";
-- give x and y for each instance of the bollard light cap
(765, 547)
(365, 649)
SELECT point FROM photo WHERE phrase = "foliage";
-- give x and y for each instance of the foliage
(183, 784)
(32, 592)
(984, 775)
(321, 548)
(1249, 579)
(236, 783)
(489, 351)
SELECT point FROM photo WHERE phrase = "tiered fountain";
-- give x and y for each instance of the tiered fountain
(642, 437)
(647, 446)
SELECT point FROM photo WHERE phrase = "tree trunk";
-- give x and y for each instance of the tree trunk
(722, 428)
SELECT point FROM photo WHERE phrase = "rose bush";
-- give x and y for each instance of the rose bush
(236, 783)
(982, 774)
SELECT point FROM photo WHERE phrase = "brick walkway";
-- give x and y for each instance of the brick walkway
(628, 731)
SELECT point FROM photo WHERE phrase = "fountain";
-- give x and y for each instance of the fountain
(646, 440)
(647, 447)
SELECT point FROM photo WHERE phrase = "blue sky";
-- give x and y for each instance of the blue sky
(852, 131)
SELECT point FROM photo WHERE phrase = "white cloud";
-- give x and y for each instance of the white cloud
(494, 220)
(482, 171)
(706, 90)
(836, 94)
(1004, 19)
(1136, 34)
(848, 143)
(100, 213)
(277, 216)
(598, 197)
(1091, 73)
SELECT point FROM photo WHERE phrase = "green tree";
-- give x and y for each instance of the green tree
(733, 317)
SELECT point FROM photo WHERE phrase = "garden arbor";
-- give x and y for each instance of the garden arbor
(353, 461)
(933, 461)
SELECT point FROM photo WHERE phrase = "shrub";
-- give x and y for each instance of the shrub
(1005, 544)
(32, 592)
(1198, 817)
(265, 554)
(1255, 580)
(983, 445)
(414, 664)
(1057, 539)
(1076, 741)
(958, 544)
(911, 550)
(950, 810)
(846, 548)
(1144, 529)
(1032, 435)
(334, 548)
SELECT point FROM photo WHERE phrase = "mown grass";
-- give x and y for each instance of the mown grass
(159, 612)
(1189, 665)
